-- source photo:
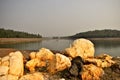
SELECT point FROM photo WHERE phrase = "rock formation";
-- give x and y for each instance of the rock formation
(45, 58)
(77, 63)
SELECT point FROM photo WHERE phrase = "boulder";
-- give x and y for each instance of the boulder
(81, 47)
(62, 62)
(59, 63)
(16, 63)
(4, 70)
(44, 54)
(91, 72)
(32, 55)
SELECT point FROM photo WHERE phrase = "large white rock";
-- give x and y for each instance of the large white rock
(81, 47)
(16, 63)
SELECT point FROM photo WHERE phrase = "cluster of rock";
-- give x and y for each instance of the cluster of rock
(78, 61)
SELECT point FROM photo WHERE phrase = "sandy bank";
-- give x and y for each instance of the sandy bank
(18, 40)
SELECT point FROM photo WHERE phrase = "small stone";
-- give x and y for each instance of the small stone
(35, 63)
(32, 55)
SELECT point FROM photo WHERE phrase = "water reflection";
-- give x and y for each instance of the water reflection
(111, 47)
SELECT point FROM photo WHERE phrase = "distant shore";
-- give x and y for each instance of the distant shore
(18, 40)
(116, 39)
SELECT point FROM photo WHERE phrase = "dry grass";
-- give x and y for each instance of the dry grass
(18, 40)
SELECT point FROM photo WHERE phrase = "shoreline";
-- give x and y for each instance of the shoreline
(116, 39)
(18, 40)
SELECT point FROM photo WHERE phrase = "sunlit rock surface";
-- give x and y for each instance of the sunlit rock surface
(4, 70)
(45, 58)
(81, 47)
(91, 72)
(102, 60)
(34, 76)
(9, 77)
(39, 59)
(60, 63)
(16, 63)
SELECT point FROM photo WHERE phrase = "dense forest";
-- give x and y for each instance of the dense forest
(16, 34)
(107, 33)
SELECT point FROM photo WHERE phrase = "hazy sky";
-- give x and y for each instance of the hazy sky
(59, 17)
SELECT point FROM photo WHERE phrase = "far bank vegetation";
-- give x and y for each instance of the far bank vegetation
(6, 33)
(107, 33)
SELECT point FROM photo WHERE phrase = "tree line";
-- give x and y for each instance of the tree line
(16, 34)
(107, 33)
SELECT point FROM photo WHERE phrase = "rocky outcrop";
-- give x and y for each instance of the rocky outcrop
(81, 47)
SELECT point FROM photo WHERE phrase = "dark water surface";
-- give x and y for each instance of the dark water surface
(111, 47)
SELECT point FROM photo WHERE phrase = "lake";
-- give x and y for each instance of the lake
(111, 47)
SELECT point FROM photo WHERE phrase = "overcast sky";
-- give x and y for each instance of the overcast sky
(59, 17)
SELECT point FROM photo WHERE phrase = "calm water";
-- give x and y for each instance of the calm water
(111, 47)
